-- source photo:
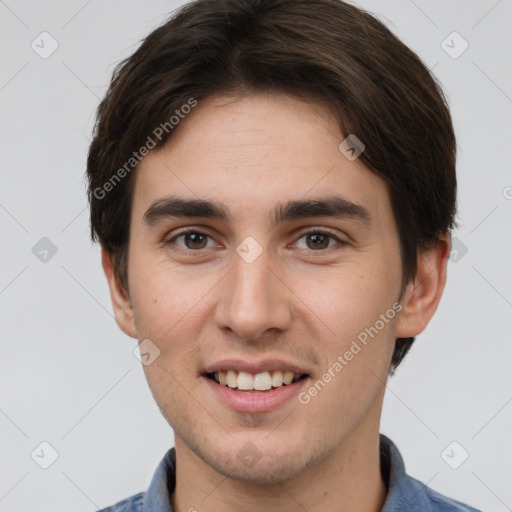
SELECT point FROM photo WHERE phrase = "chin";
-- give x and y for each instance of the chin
(257, 466)
(270, 469)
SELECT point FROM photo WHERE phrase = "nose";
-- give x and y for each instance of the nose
(253, 300)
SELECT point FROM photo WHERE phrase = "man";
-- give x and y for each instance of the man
(273, 186)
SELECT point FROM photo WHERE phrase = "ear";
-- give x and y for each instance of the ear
(423, 293)
(121, 303)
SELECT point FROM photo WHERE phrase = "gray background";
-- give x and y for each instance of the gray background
(68, 374)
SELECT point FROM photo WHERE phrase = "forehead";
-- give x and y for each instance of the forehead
(255, 153)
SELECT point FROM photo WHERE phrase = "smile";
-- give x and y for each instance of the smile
(262, 381)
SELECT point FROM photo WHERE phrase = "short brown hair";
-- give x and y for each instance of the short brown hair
(324, 50)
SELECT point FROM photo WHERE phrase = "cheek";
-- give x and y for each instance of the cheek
(169, 306)
(356, 304)
(348, 299)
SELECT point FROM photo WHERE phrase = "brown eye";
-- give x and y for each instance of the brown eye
(195, 240)
(191, 240)
(317, 240)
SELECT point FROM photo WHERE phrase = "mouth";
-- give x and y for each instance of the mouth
(255, 386)
(261, 382)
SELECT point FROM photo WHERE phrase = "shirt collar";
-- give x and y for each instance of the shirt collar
(158, 495)
(404, 492)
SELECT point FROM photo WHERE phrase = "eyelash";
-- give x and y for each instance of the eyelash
(339, 241)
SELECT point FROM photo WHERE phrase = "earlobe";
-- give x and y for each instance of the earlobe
(424, 292)
(121, 302)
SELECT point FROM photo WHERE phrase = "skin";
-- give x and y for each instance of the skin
(295, 302)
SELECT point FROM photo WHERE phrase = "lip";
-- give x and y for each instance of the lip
(247, 402)
(255, 367)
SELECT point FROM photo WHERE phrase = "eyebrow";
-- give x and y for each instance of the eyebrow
(331, 206)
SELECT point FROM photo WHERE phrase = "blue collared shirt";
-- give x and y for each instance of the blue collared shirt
(405, 494)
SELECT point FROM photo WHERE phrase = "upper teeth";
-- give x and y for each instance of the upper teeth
(260, 381)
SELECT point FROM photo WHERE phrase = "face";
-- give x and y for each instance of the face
(282, 256)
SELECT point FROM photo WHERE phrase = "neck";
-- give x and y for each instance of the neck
(349, 479)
